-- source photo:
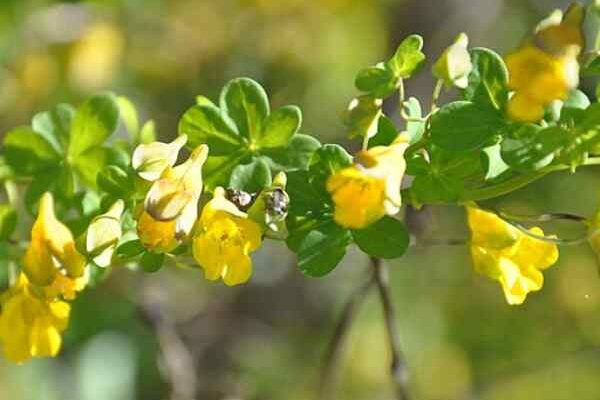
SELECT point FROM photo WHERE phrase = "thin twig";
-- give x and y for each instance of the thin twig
(398, 370)
(179, 368)
(335, 347)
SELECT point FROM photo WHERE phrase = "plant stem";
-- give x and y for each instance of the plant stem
(334, 349)
(518, 182)
(437, 91)
(398, 370)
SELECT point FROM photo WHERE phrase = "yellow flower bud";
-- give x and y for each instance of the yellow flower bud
(454, 65)
(52, 249)
(369, 189)
(103, 234)
(150, 160)
(507, 255)
(224, 241)
(31, 326)
(171, 205)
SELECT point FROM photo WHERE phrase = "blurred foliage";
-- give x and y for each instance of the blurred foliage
(261, 341)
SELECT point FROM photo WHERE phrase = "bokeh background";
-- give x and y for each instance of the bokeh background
(266, 340)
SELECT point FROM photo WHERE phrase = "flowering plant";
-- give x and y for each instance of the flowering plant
(105, 193)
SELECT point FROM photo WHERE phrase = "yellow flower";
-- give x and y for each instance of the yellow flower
(150, 160)
(369, 189)
(52, 249)
(104, 233)
(224, 241)
(507, 255)
(171, 205)
(31, 326)
(545, 68)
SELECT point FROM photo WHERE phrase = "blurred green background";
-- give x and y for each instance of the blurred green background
(265, 340)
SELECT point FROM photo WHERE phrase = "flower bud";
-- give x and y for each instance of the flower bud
(150, 160)
(103, 234)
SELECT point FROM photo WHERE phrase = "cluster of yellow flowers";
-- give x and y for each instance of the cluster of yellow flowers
(224, 235)
(34, 310)
(545, 68)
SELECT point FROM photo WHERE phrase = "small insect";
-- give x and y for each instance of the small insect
(242, 200)
(277, 203)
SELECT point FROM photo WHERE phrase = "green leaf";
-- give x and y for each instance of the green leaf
(488, 80)
(408, 57)
(152, 262)
(217, 170)
(129, 116)
(205, 124)
(362, 116)
(90, 163)
(296, 156)
(431, 189)
(593, 68)
(320, 246)
(93, 123)
(251, 178)
(280, 127)
(387, 238)
(115, 181)
(8, 221)
(27, 152)
(536, 151)
(572, 110)
(130, 249)
(55, 125)
(41, 182)
(306, 198)
(148, 133)
(463, 125)
(378, 81)
(246, 103)
(203, 101)
(326, 161)
(584, 138)
(386, 133)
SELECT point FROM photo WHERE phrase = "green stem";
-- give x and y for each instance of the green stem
(518, 182)
(437, 91)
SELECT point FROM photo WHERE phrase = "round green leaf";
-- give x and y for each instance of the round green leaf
(408, 57)
(27, 152)
(296, 156)
(535, 151)
(205, 124)
(129, 249)
(378, 81)
(246, 103)
(387, 238)
(463, 125)
(152, 262)
(93, 123)
(488, 80)
(55, 125)
(280, 126)
(319, 247)
(115, 181)
(251, 178)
